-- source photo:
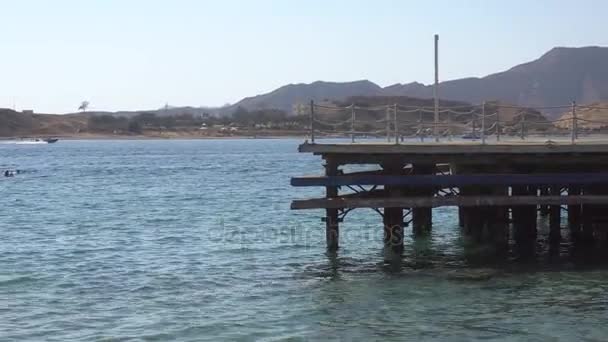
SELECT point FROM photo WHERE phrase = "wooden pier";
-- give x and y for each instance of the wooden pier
(499, 188)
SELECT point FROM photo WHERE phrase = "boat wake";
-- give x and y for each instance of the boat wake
(29, 142)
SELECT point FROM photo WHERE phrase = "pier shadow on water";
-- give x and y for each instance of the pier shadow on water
(446, 287)
(447, 252)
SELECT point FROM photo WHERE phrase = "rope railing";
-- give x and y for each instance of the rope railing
(331, 108)
(476, 122)
(457, 114)
(532, 107)
(372, 108)
(408, 111)
(432, 108)
(432, 111)
(410, 122)
(327, 123)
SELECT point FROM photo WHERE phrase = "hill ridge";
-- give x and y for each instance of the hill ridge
(559, 76)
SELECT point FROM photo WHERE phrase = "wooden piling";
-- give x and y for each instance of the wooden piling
(469, 217)
(332, 224)
(484, 224)
(472, 223)
(393, 228)
(595, 217)
(524, 221)
(588, 213)
(574, 213)
(422, 217)
(496, 220)
(544, 209)
(555, 223)
(393, 216)
(600, 228)
(475, 224)
(586, 234)
(460, 217)
(554, 215)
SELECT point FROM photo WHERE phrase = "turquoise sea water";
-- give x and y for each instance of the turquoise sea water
(194, 240)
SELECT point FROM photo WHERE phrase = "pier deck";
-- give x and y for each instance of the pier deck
(496, 186)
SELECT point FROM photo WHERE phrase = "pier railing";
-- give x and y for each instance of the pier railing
(485, 123)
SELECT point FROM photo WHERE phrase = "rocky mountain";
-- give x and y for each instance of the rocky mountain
(556, 78)
(286, 97)
(414, 89)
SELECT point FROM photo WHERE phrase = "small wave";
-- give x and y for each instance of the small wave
(142, 288)
(15, 280)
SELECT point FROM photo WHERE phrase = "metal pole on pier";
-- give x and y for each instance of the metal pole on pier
(388, 123)
(420, 125)
(483, 123)
(449, 126)
(352, 123)
(474, 126)
(498, 124)
(396, 128)
(573, 128)
(523, 126)
(436, 89)
(312, 121)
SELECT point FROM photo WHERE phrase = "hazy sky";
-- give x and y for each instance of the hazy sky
(141, 54)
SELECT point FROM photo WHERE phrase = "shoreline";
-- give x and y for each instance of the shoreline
(153, 137)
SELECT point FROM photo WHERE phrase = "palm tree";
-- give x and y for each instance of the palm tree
(84, 106)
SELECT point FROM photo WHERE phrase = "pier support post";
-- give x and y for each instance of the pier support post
(496, 219)
(555, 217)
(460, 217)
(589, 213)
(422, 218)
(555, 223)
(586, 235)
(487, 225)
(600, 227)
(332, 230)
(471, 217)
(544, 209)
(473, 223)
(574, 213)
(393, 217)
(524, 221)
(393, 228)
(595, 217)
(467, 215)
